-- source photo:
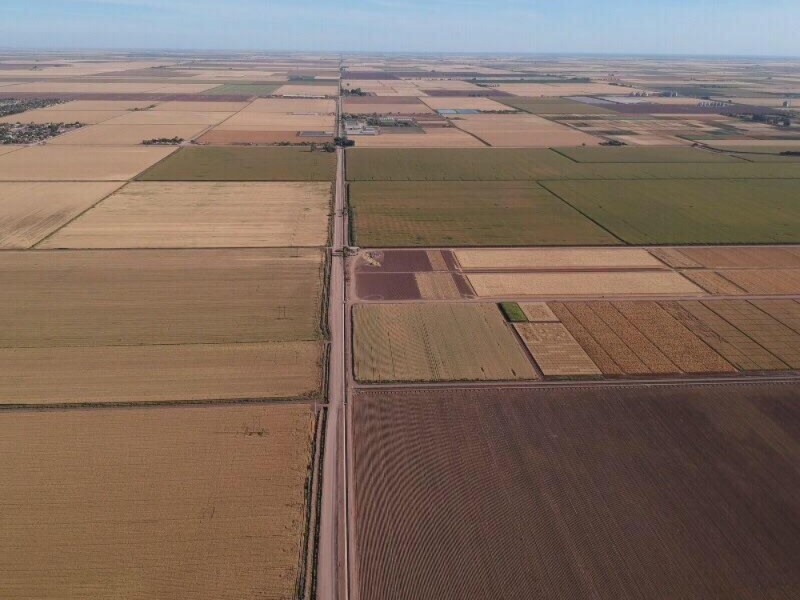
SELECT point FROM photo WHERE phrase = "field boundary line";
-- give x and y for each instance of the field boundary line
(481, 140)
(310, 400)
(78, 216)
(580, 212)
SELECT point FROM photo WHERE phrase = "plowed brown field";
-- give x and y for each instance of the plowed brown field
(622, 492)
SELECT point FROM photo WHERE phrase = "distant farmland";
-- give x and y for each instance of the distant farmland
(467, 214)
(502, 493)
(243, 164)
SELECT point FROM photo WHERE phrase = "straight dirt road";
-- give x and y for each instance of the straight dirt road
(332, 565)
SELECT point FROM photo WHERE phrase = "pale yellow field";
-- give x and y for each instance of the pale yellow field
(139, 297)
(200, 106)
(51, 87)
(31, 211)
(441, 84)
(63, 163)
(522, 131)
(292, 105)
(307, 90)
(557, 258)
(87, 117)
(264, 121)
(562, 89)
(556, 351)
(435, 342)
(713, 282)
(170, 503)
(387, 109)
(179, 373)
(170, 117)
(501, 285)
(7, 149)
(466, 103)
(126, 135)
(103, 105)
(437, 286)
(203, 215)
(435, 137)
(538, 312)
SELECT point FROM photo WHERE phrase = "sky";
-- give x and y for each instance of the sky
(693, 27)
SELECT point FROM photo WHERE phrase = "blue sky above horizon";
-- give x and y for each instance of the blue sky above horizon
(693, 27)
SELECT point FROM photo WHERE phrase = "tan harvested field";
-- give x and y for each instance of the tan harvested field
(170, 117)
(126, 135)
(557, 258)
(387, 109)
(559, 89)
(200, 106)
(166, 373)
(203, 215)
(732, 344)
(172, 503)
(436, 137)
(439, 84)
(307, 90)
(7, 149)
(556, 351)
(265, 121)
(87, 117)
(292, 105)
(134, 297)
(675, 258)
(765, 281)
(62, 163)
(31, 211)
(103, 105)
(465, 103)
(437, 286)
(499, 285)
(713, 282)
(740, 257)
(538, 312)
(435, 342)
(522, 131)
(79, 87)
(219, 137)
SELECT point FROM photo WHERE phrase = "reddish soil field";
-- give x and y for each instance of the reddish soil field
(605, 492)
(387, 286)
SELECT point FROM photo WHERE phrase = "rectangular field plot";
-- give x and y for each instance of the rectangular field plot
(270, 121)
(559, 258)
(630, 154)
(765, 281)
(44, 116)
(553, 106)
(241, 89)
(169, 502)
(203, 214)
(167, 373)
(435, 342)
(736, 257)
(466, 214)
(170, 117)
(638, 338)
(243, 164)
(434, 137)
(126, 135)
(60, 163)
(556, 351)
(646, 283)
(132, 297)
(31, 211)
(690, 211)
(527, 485)
(522, 131)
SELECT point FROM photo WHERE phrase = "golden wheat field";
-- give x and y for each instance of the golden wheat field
(159, 373)
(203, 215)
(169, 502)
(29, 211)
(126, 135)
(557, 258)
(435, 342)
(556, 351)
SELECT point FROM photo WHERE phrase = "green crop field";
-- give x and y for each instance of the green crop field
(513, 164)
(244, 89)
(553, 106)
(244, 164)
(467, 214)
(657, 154)
(690, 211)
